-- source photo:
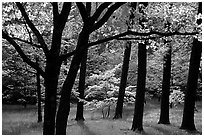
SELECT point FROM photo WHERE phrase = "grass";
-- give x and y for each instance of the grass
(19, 121)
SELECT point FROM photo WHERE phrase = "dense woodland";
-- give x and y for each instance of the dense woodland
(99, 54)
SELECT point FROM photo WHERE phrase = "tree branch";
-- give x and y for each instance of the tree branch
(88, 8)
(107, 15)
(33, 28)
(118, 37)
(67, 55)
(138, 38)
(99, 10)
(55, 12)
(65, 12)
(82, 11)
(28, 33)
(22, 54)
(107, 39)
(160, 33)
(25, 41)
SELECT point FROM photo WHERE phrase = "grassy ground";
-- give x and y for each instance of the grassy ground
(19, 121)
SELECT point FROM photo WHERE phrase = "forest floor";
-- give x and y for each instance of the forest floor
(17, 120)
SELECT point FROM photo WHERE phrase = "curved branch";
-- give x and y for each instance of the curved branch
(107, 15)
(33, 28)
(22, 54)
(99, 10)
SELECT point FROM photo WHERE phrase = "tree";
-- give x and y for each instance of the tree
(140, 92)
(41, 26)
(137, 123)
(164, 111)
(119, 107)
(125, 67)
(90, 24)
(53, 61)
(190, 94)
(51, 48)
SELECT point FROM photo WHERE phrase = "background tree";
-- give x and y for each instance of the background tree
(164, 112)
(38, 93)
(190, 94)
(140, 92)
(125, 67)
(141, 79)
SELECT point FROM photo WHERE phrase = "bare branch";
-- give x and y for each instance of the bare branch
(33, 28)
(59, 24)
(88, 8)
(161, 33)
(65, 13)
(143, 36)
(28, 42)
(108, 39)
(66, 56)
(99, 10)
(107, 15)
(138, 38)
(28, 32)
(22, 54)
(55, 12)
(82, 11)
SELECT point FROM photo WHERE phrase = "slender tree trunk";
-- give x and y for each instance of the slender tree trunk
(164, 111)
(190, 94)
(123, 82)
(39, 94)
(119, 107)
(51, 80)
(140, 93)
(64, 105)
(80, 108)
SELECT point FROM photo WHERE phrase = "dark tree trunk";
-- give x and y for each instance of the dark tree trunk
(51, 80)
(164, 111)
(52, 70)
(64, 105)
(190, 94)
(119, 107)
(140, 93)
(80, 108)
(39, 95)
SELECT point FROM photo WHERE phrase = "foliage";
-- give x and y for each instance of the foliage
(176, 97)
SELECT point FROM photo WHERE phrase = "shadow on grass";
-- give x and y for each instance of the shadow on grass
(85, 128)
(193, 132)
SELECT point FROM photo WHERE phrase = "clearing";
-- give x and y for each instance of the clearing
(17, 120)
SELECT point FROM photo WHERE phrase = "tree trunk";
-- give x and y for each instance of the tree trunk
(140, 93)
(164, 111)
(64, 105)
(51, 80)
(119, 107)
(39, 95)
(80, 108)
(190, 94)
